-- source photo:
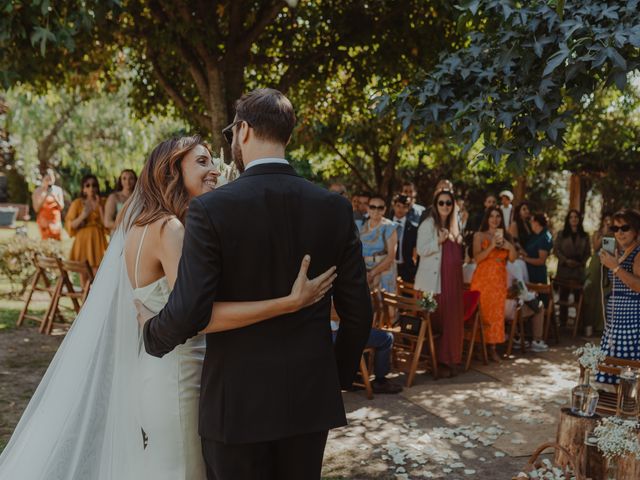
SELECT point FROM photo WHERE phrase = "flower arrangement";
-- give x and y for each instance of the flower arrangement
(428, 302)
(590, 356)
(617, 437)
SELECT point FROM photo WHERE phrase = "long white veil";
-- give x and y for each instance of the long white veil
(81, 423)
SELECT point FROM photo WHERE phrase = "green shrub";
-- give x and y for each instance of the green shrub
(16, 259)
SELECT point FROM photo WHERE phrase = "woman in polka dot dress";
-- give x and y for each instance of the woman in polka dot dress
(621, 337)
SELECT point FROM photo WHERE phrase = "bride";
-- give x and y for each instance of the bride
(105, 410)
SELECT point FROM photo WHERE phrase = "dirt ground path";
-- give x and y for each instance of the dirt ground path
(460, 428)
(24, 357)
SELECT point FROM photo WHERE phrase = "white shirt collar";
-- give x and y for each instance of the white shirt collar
(400, 220)
(262, 161)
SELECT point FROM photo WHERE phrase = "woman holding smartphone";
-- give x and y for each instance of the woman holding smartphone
(621, 337)
(48, 202)
(492, 248)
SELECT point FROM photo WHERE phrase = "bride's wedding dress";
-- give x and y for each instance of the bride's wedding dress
(101, 391)
(169, 391)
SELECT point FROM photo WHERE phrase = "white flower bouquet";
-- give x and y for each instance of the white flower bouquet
(428, 302)
(590, 356)
(617, 437)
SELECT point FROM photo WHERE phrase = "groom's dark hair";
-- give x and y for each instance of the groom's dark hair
(269, 113)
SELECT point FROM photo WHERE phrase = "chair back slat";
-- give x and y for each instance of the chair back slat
(42, 261)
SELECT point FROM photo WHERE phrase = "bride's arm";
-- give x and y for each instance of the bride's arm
(305, 292)
(232, 315)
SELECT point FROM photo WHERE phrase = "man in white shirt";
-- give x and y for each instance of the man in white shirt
(506, 197)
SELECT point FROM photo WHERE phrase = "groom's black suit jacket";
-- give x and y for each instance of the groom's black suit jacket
(244, 242)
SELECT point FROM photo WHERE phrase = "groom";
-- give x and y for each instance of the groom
(271, 391)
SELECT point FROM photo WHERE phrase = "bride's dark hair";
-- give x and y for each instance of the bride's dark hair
(160, 190)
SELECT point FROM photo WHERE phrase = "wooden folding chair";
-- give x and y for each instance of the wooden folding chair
(411, 349)
(68, 290)
(516, 327)
(576, 289)
(473, 328)
(45, 267)
(549, 314)
(608, 401)
(366, 360)
(406, 289)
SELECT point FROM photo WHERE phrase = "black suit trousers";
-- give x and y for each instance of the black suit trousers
(293, 458)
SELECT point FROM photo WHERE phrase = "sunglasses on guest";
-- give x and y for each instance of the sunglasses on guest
(622, 228)
(376, 207)
(442, 203)
(227, 132)
(91, 185)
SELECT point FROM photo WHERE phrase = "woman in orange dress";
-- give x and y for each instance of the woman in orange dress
(48, 202)
(492, 248)
(84, 222)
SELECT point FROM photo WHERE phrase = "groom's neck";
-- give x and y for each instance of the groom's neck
(263, 150)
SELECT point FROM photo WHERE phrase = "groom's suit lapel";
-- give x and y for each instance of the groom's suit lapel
(269, 168)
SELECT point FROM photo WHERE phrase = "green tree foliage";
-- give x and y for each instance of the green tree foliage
(42, 41)
(339, 129)
(525, 66)
(602, 145)
(76, 134)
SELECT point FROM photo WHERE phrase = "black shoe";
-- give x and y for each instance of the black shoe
(385, 386)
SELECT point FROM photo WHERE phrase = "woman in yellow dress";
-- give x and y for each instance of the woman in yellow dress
(84, 222)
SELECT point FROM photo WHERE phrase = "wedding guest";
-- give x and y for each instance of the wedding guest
(594, 290)
(48, 202)
(463, 214)
(621, 337)
(506, 207)
(115, 201)
(573, 249)
(492, 248)
(361, 210)
(489, 201)
(440, 272)
(407, 238)
(538, 248)
(84, 223)
(379, 239)
(416, 210)
(339, 188)
(520, 228)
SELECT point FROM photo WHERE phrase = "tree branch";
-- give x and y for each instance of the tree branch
(350, 164)
(265, 16)
(180, 102)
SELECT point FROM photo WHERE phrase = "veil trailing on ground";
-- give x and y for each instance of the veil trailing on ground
(81, 423)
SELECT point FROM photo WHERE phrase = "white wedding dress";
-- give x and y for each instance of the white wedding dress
(168, 395)
(86, 419)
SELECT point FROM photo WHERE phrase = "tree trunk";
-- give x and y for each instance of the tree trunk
(629, 466)
(571, 434)
(575, 194)
(520, 190)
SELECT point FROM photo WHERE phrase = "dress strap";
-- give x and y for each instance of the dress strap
(135, 272)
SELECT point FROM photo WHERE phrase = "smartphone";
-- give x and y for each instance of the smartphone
(609, 245)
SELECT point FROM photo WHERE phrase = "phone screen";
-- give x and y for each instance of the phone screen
(609, 245)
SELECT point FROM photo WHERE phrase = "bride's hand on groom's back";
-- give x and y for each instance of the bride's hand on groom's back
(306, 292)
